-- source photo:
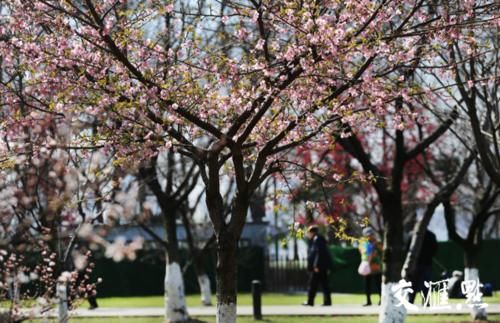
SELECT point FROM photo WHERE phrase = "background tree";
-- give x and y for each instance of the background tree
(175, 193)
(39, 221)
(477, 203)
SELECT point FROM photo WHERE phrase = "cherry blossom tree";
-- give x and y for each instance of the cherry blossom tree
(38, 223)
(295, 69)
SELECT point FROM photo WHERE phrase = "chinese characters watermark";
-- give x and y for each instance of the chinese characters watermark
(437, 294)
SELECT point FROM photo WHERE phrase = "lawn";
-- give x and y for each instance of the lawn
(246, 299)
(297, 319)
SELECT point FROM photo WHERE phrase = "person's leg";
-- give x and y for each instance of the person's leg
(425, 276)
(93, 302)
(378, 283)
(411, 296)
(368, 282)
(313, 287)
(327, 300)
(416, 284)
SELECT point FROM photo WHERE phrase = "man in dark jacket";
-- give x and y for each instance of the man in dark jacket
(318, 264)
(423, 271)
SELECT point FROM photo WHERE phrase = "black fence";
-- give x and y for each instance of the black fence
(285, 275)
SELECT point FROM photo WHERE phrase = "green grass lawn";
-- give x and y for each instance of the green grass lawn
(267, 299)
(246, 299)
(243, 299)
(301, 319)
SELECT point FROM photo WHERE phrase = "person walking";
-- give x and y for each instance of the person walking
(371, 257)
(423, 271)
(318, 264)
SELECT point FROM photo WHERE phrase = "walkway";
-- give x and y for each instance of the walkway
(338, 310)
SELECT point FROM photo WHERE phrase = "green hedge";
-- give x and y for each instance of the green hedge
(449, 257)
(145, 276)
(344, 277)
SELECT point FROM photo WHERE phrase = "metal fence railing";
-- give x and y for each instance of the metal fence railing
(285, 275)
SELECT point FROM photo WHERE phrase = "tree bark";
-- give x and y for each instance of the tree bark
(205, 289)
(226, 277)
(392, 260)
(417, 239)
(175, 299)
(62, 306)
(391, 311)
(197, 256)
(471, 273)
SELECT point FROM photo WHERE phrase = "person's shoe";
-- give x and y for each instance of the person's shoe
(327, 304)
(93, 307)
(307, 304)
(368, 304)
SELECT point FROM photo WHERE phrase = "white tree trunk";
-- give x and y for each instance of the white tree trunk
(14, 290)
(206, 292)
(390, 312)
(175, 300)
(62, 297)
(477, 312)
(226, 313)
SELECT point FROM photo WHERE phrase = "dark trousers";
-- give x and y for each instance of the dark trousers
(316, 279)
(422, 274)
(93, 302)
(377, 278)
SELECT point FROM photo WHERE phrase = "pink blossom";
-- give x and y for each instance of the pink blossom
(260, 44)
(169, 8)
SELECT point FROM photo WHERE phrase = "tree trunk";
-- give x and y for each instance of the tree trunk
(13, 291)
(416, 242)
(62, 296)
(390, 311)
(392, 262)
(203, 279)
(205, 290)
(226, 277)
(175, 300)
(471, 273)
(196, 255)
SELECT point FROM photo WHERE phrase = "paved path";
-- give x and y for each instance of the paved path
(271, 310)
